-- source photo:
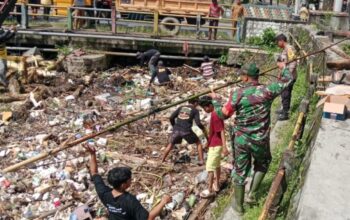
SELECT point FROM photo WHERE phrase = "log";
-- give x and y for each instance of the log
(339, 64)
(13, 98)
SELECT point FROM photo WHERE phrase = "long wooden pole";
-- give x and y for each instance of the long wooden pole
(118, 125)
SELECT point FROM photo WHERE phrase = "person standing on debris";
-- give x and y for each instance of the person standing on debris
(288, 54)
(207, 67)
(252, 105)
(151, 56)
(216, 144)
(162, 74)
(182, 121)
(216, 12)
(5, 35)
(237, 17)
(121, 204)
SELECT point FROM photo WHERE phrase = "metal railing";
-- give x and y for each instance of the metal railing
(157, 26)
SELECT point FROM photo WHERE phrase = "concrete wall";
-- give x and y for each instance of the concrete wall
(255, 26)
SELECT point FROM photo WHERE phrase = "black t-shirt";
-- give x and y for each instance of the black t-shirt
(146, 56)
(123, 207)
(162, 75)
(182, 118)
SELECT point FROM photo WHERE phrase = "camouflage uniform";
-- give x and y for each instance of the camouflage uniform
(288, 54)
(252, 104)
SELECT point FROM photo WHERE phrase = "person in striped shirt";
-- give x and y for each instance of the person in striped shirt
(207, 67)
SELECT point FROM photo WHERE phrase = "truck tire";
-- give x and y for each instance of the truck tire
(170, 29)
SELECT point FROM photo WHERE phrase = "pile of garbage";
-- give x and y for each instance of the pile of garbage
(63, 107)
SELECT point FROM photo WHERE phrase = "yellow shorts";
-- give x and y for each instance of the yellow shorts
(214, 158)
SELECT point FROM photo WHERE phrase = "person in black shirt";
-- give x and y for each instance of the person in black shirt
(182, 121)
(121, 205)
(162, 74)
(151, 56)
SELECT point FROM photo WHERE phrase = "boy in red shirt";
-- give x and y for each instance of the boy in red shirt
(216, 144)
(215, 11)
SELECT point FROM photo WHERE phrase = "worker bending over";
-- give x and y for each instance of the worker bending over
(150, 57)
(252, 105)
(161, 74)
(182, 121)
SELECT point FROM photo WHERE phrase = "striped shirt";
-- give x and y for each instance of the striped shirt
(207, 68)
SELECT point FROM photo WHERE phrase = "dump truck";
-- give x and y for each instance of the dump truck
(171, 12)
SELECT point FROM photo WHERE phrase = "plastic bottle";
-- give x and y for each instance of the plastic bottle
(177, 200)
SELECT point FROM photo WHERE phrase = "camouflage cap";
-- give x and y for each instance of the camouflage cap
(250, 70)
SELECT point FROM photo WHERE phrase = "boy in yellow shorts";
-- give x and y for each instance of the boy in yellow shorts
(216, 144)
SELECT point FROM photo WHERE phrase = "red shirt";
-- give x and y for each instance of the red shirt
(215, 10)
(216, 126)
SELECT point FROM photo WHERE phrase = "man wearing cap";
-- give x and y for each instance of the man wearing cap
(252, 105)
(288, 54)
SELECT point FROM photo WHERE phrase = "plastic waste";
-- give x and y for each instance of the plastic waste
(201, 177)
(177, 200)
(101, 142)
(192, 200)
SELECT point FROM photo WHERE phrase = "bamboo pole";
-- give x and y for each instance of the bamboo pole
(116, 126)
(274, 187)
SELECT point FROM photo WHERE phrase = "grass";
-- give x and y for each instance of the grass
(253, 212)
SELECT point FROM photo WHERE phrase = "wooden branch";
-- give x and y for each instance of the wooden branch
(192, 68)
(13, 98)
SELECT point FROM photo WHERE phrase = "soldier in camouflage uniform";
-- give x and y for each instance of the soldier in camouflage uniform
(288, 54)
(252, 105)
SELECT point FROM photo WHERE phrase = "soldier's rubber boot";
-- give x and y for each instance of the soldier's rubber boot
(238, 199)
(254, 186)
(283, 116)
